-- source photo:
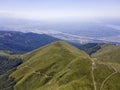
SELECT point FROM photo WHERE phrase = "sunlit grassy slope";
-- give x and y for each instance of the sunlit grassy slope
(60, 66)
(108, 53)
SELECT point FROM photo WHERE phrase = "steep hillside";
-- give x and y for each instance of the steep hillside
(60, 66)
(108, 53)
(90, 48)
(8, 64)
(18, 42)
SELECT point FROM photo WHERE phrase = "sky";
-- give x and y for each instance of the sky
(59, 9)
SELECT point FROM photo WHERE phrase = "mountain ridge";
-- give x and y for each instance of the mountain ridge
(61, 66)
(70, 56)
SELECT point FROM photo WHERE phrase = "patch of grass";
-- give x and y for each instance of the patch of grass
(108, 53)
(101, 72)
(113, 83)
(6, 83)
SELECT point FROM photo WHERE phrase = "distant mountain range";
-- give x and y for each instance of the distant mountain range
(79, 31)
(18, 42)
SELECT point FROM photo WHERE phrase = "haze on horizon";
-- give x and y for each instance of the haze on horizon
(59, 9)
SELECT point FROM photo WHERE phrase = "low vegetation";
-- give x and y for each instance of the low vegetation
(8, 64)
(60, 66)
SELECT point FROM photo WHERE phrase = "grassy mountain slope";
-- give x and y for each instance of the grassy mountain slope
(8, 64)
(60, 66)
(56, 66)
(108, 53)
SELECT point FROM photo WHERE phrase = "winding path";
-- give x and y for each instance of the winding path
(93, 77)
(92, 72)
(115, 71)
(39, 73)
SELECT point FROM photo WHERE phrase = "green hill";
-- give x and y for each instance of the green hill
(108, 53)
(60, 66)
